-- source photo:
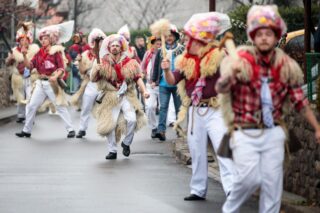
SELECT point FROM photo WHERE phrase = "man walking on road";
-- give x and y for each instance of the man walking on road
(197, 73)
(258, 82)
(50, 64)
(120, 111)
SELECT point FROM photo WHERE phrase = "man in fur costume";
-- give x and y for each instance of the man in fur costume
(50, 63)
(196, 76)
(21, 82)
(257, 83)
(88, 90)
(120, 111)
(166, 91)
(147, 66)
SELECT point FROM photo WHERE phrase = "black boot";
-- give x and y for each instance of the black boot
(71, 134)
(126, 149)
(80, 134)
(161, 136)
(20, 120)
(111, 156)
(193, 197)
(153, 133)
(23, 134)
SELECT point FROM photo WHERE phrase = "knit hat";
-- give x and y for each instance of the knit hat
(266, 16)
(206, 26)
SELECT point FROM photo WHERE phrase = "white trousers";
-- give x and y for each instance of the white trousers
(258, 163)
(26, 91)
(42, 91)
(171, 112)
(130, 116)
(88, 100)
(207, 122)
(151, 106)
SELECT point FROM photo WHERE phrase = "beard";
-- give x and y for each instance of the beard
(115, 52)
(265, 51)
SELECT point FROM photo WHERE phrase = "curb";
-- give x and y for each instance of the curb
(290, 202)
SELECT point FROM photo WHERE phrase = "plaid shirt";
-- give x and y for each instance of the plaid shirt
(246, 96)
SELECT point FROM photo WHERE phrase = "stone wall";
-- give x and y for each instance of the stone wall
(302, 175)
(5, 90)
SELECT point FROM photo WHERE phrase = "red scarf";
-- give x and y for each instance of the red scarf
(148, 58)
(118, 67)
(43, 53)
(256, 65)
(91, 56)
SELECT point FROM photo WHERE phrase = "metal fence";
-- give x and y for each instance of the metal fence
(313, 66)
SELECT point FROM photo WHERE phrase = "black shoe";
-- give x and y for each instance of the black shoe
(153, 133)
(23, 134)
(193, 197)
(161, 136)
(71, 134)
(20, 120)
(126, 149)
(111, 156)
(80, 134)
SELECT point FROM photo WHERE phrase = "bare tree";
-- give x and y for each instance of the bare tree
(142, 13)
(81, 9)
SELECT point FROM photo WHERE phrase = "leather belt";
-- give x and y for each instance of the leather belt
(44, 78)
(253, 126)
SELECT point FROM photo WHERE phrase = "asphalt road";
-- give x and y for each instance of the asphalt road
(50, 173)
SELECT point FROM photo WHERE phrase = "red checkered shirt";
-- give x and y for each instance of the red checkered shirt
(246, 97)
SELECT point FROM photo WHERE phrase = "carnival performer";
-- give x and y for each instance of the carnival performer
(88, 90)
(131, 51)
(74, 51)
(257, 83)
(21, 81)
(50, 64)
(120, 111)
(147, 66)
(166, 91)
(196, 75)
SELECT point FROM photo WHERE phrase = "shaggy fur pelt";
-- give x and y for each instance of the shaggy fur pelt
(211, 58)
(103, 111)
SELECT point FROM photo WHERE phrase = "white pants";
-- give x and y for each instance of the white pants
(172, 116)
(151, 106)
(130, 116)
(43, 90)
(88, 101)
(207, 122)
(258, 163)
(26, 91)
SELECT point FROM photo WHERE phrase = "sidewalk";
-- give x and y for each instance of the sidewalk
(291, 203)
(8, 114)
